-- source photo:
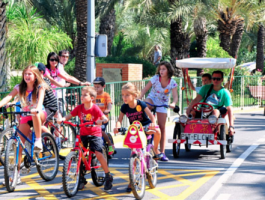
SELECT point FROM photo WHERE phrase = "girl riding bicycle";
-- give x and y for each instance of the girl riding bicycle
(161, 86)
(31, 94)
(136, 109)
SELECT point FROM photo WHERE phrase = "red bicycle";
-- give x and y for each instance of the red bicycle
(81, 159)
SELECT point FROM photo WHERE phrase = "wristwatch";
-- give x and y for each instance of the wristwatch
(231, 127)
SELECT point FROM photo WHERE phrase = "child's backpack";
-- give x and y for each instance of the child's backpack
(135, 136)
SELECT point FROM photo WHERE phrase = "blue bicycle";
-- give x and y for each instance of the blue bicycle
(47, 161)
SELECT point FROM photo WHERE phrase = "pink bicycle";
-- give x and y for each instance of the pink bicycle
(142, 163)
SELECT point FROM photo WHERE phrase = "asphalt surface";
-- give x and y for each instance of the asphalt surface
(198, 174)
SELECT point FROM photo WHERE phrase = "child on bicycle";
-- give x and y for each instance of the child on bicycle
(31, 94)
(89, 112)
(136, 109)
(103, 101)
(161, 86)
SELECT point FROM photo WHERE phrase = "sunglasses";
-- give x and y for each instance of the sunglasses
(65, 56)
(52, 60)
(216, 79)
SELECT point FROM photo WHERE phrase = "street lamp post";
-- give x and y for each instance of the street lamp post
(90, 70)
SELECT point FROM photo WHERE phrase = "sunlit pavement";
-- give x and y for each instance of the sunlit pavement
(198, 174)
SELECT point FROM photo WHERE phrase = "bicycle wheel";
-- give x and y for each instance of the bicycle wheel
(70, 177)
(48, 167)
(68, 143)
(176, 135)
(10, 166)
(98, 175)
(152, 168)
(4, 137)
(137, 179)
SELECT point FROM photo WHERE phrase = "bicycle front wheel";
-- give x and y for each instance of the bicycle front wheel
(70, 177)
(48, 160)
(137, 179)
(67, 143)
(10, 170)
(4, 137)
(152, 169)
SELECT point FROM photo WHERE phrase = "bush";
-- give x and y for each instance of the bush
(70, 67)
(244, 56)
(148, 68)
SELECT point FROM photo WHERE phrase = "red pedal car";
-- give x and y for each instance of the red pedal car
(203, 131)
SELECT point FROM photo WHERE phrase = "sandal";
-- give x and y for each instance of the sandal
(158, 156)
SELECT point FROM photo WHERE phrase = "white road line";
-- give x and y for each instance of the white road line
(223, 197)
(228, 173)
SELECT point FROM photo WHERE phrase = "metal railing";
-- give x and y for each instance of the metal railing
(241, 95)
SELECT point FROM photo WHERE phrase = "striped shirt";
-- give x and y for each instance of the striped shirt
(50, 100)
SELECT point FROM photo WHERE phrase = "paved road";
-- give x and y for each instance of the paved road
(199, 174)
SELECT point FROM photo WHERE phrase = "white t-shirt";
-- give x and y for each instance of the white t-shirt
(61, 80)
(158, 94)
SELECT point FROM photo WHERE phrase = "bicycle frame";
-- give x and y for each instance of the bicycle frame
(20, 143)
(50, 124)
(82, 151)
(142, 155)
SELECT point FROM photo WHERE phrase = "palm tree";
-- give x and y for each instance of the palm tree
(29, 38)
(260, 45)
(60, 13)
(3, 62)
(260, 49)
(231, 18)
(81, 22)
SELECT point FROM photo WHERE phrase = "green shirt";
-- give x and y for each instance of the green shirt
(217, 98)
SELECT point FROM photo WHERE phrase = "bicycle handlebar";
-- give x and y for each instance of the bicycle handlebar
(13, 104)
(87, 124)
(176, 109)
(22, 112)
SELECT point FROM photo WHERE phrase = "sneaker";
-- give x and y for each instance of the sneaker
(111, 150)
(158, 156)
(164, 158)
(18, 180)
(82, 183)
(38, 146)
(108, 182)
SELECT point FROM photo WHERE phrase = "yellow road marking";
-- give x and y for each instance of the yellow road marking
(101, 194)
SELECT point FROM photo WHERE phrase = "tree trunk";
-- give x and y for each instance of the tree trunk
(236, 40)
(81, 21)
(231, 31)
(179, 43)
(260, 49)
(3, 62)
(201, 38)
(107, 26)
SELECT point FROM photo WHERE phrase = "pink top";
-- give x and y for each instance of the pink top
(54, 74)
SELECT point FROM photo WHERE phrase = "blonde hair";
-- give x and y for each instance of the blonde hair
(23, 85)
(91, 90)
(132, 89)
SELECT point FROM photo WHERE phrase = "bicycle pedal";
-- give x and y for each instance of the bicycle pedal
(101, 179)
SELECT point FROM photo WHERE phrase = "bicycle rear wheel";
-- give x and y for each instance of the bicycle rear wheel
(48, 160)
(98, 175)
(70, 177)
(4, 137)
(68, 143)
(10, 166)
(137, 179)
